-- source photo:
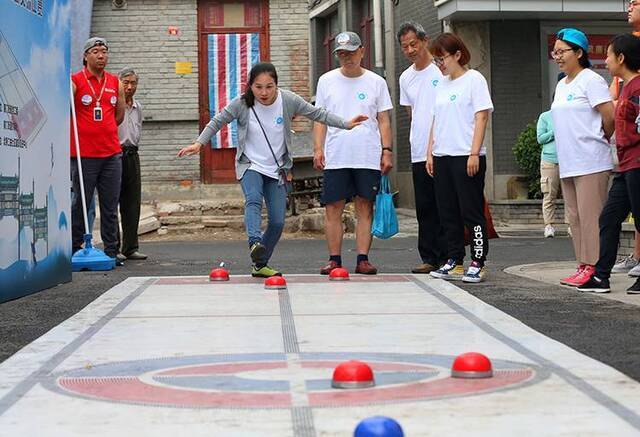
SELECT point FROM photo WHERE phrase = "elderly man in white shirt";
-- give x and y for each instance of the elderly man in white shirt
(130, 192)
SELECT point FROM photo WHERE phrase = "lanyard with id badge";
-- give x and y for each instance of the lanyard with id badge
(97, 109)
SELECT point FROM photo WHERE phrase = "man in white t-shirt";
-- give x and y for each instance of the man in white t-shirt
(352, 161)
(418, 93)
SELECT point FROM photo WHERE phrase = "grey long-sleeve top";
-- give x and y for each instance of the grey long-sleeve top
(292, 105)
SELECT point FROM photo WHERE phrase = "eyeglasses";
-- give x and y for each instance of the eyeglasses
(439, 60)
(558, 53)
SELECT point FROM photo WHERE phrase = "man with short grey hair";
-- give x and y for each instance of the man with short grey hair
(130, 192)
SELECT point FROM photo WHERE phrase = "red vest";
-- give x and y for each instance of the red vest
(98, 139)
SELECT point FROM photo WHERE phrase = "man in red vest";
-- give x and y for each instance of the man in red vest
(100, 107)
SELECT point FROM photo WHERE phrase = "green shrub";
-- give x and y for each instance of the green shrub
(527, 153)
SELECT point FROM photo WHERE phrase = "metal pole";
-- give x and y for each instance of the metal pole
(377, 36)
(75, 133)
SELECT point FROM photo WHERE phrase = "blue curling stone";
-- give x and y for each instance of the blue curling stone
(378, 426)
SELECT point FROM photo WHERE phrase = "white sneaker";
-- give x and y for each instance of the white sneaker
(635, 272)
(475, 273)
(549, 231)
(625, 265)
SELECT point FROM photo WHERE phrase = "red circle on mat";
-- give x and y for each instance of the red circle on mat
(215, 384)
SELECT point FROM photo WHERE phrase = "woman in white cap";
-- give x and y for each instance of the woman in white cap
(263, 156)
(582, 114)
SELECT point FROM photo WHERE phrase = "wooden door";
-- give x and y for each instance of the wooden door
(234, 36)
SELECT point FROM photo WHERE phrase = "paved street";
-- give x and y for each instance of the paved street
(604, 329)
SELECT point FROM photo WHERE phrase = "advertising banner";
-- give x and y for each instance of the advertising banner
(35, 224)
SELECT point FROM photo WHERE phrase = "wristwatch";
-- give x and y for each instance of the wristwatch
(387, 148)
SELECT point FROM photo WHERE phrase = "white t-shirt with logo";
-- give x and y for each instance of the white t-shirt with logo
(347, 97)
(256, 147)
(457, 102)
(580, 141)
(418, 90)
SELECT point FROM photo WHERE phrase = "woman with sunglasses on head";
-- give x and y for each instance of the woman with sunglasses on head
(263, 156)
(582, 114)
(456, 158)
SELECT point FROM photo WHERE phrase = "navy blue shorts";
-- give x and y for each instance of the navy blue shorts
(346, 183)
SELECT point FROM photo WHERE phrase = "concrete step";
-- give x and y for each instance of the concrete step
(167, 191)
(181, 229)
(528, 231)
(213, 221)
(193, 207)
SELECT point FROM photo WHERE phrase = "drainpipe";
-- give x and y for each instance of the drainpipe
(377, 37)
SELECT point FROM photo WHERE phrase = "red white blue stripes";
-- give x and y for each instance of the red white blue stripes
(230, 57)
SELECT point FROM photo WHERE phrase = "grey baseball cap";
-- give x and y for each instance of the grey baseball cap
(349, 41)
(93, 42)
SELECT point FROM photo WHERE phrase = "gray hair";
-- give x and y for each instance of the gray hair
(127, 71)
(411, 26)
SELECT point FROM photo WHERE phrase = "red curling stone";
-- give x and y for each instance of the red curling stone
(339, 274)
(352, 374)
(275, 283)
(219, 274)
(472, 365)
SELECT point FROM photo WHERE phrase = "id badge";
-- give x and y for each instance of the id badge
(97, 113)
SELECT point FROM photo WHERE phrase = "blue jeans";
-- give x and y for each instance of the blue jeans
(257, 187)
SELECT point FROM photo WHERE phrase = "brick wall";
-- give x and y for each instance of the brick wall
(627, 239)
(426, 14)
(289, 38)
(158, 147)
(516, 86)
(138, 37)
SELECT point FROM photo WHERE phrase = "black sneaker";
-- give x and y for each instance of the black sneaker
(635, 288)
(595, 285)
(258, 252)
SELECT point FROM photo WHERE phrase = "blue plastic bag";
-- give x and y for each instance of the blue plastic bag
(385, 220)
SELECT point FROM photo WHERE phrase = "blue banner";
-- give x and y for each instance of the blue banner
(35, 224)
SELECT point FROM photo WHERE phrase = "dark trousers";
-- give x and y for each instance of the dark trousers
(130, 195)
(461, 203)
(432, 243)
(103, 174)
(624, 197)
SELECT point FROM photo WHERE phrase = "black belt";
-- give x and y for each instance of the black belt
(127, 150)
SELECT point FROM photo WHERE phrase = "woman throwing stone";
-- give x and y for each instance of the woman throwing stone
(263, 157)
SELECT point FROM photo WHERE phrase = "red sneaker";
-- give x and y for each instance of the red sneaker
(329, 267)
(569, 279)
(366, 268)
(584, 275)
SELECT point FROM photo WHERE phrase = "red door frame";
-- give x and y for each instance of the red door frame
(218, 166)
